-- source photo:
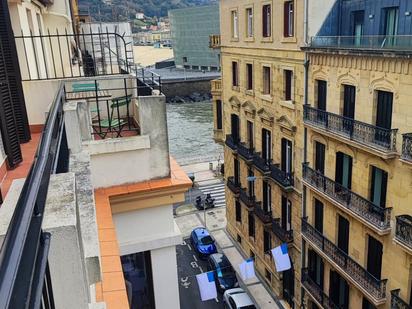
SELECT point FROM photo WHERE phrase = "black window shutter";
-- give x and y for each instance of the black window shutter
(339, 167)
(284, 213)
(13, 116)
(283, 155)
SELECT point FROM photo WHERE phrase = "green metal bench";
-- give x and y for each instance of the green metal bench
(82, 87)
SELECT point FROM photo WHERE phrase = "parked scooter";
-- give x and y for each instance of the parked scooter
(209, 202)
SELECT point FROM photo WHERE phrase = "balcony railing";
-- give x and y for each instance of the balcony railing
(231, 143)
(370, 42)
(233, 185)
(264, 215)
(316, 291)
(366, 134)
(378, 217)
(67, 55)
(373, 286)
(403, 232)
(262, 164)
(24, 272)
(284, 235)
(397, 302)
(286, 180)
(245, 152)
(407, 147)
(214, 41)
(249, 201)
(216, 86)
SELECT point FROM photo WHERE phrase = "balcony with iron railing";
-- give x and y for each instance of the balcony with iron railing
(264, 215)
(273, 171)
(375, 217)
(370, 138)
(286, 236)
(383, 43)
(245, 152)
(406, 155)
(214, 41)
(397, 302)
(249, 201)
(403, 232)
(316, 292)
(233, 185)
(231, 143)
(372, 287)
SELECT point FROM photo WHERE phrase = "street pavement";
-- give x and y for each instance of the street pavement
(215, 221)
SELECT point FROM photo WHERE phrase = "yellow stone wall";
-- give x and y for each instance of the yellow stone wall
(368, 74)
(282, 118)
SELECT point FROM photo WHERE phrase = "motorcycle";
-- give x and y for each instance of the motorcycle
(209, 202)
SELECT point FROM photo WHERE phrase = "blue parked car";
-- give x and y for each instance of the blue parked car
(202, 242)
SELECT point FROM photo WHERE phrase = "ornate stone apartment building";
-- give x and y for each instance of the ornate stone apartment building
(318, 146)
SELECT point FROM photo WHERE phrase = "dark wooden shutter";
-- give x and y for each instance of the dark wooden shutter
(288, 85)
(320, 157)
(286, 19)
(384, 109)
(318, 216)
(349, 101)
(374, 264)
(322, 93)
(343, 234)
(284, 218)
(13, 116)
(219, 123)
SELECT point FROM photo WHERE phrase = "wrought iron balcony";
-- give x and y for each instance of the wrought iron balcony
(376, 217)
(264, 215)
(316, 291)
(249, 201)
(407, 147)
(351, 269)
(403, 232)
(262, 164)
(233, 185)
(381, 139)
(364, 42)
(286, 180)
(281, 233)
(231, 143)
(245, 152)
(397, 302)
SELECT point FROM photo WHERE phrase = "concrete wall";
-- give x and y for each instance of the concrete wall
(185, 88)
(153, 229)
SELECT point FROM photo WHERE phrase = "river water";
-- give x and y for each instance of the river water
(190, 127)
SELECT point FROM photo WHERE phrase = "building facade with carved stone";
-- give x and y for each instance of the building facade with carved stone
(356, 225)
(257, 107)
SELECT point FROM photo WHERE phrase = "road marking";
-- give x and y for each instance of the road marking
(194, 256)
(183, 243)
(184, 282)
(216, 300)
(201, 270)
(194, 265)
(190, 248)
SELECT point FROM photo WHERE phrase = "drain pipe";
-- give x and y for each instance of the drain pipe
(305, 141)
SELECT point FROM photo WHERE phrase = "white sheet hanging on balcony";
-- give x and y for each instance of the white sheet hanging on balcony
(281, 257)
(207, 286)
(247, 269)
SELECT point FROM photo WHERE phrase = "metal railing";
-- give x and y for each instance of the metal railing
(407, 147)
(280, 232)
(375, 287)
(397, 302)
(286, 180)
(24, 273)
(361, 132)
(249, 201)
(67, 55)
(111, 102)
(316, 291)
(231, 143)
(378, 216)
(233, 185)
(261, 163)
(264, 215)
(245, 152)
(403, 230)
(370, 42)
